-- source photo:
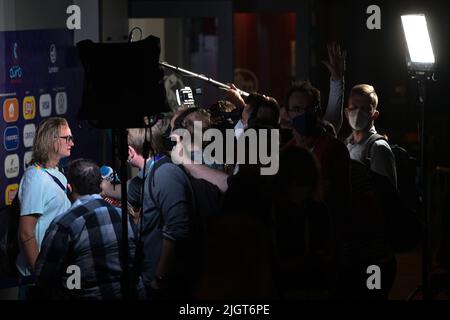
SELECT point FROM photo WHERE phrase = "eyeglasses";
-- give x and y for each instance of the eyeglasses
(68, 138)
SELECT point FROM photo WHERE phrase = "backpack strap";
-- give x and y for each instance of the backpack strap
(151, 184)
(151, 177)
(368, 147)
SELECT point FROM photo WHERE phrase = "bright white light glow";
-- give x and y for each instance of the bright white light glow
(417, 38)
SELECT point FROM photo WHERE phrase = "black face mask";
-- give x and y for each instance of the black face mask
(305, 123)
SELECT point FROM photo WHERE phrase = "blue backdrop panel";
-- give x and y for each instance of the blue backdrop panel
(40, 76)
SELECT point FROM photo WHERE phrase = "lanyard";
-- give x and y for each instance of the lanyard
(53, 177)
(155, 159)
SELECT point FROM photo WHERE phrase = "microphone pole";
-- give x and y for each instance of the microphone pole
(202, 77)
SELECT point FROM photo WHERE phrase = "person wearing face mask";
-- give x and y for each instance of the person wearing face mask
(303, 108)
(333, 114)
(362, 143)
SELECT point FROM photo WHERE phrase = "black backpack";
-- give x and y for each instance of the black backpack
(9, 242)
(400, 205)
(406, 167)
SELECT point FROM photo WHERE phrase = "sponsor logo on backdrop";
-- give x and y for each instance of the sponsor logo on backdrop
(11, 110)
(53, 54)
(61, 103)
(45, 105)
(29, 108)
(11, 138)
(15, 73)
(29, 130)
(10, 193)
(12, 166)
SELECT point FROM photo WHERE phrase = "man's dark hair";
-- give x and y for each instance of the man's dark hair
(306, 88)
(84, 176)
(265, 110)
(187, 118)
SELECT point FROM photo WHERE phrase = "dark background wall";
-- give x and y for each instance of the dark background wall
(378, 57)
(374, 56)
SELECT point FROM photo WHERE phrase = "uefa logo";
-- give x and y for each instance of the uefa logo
(15, 72)
(53, 54)
(15, 53)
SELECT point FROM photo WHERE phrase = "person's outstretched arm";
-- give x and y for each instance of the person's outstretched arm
(336, 66)
(214, 176)
(235, 98)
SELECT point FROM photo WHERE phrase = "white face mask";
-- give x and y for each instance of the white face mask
(359, 119)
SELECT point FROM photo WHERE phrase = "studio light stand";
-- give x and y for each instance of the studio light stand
(421, 82)
(126, 77)
(420, 63)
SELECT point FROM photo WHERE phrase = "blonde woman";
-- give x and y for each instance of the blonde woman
(42, 191)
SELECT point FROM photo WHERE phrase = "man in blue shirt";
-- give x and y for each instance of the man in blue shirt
(167, 261)
(87, 237)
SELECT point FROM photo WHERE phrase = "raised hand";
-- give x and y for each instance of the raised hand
(336, 61)
(234, 97)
